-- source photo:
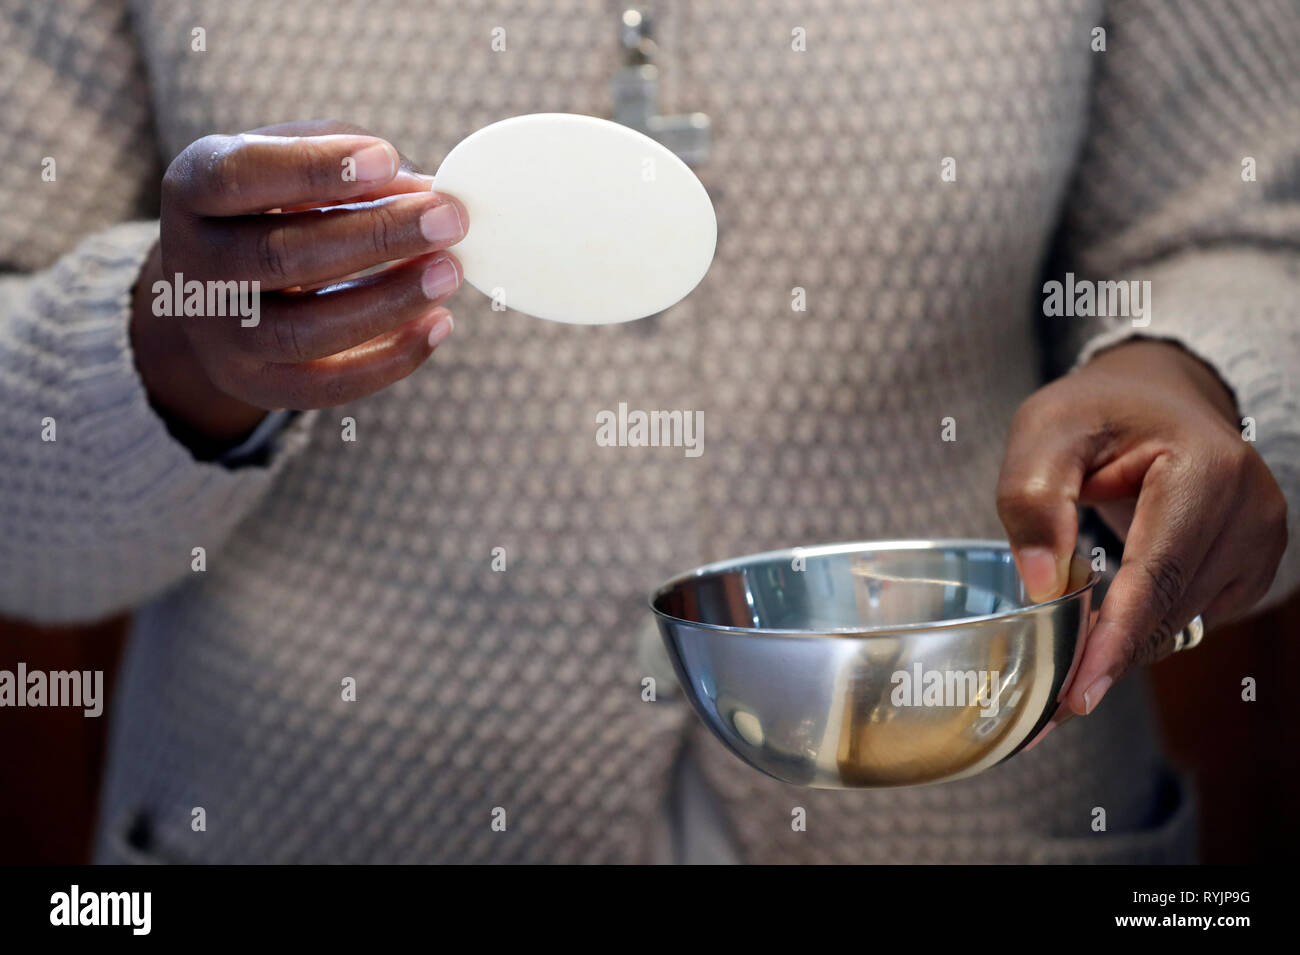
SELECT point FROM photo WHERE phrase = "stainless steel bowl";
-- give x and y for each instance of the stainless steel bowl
(872, 664)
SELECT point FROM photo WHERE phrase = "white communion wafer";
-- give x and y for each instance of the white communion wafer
(578, 219)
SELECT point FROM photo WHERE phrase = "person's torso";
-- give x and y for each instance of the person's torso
(886, 178)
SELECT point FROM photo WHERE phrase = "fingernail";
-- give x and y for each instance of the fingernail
(1038, 572)
(376, 163)
(442, 224)
(441, 278)
(1092, 696)
(441, 329)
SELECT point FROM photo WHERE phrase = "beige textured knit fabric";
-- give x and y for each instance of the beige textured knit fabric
(372, 560)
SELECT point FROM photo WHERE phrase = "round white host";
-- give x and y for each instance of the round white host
(578, 219)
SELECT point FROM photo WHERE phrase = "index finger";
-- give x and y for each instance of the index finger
(1047, 455)
(410, 177)
(253, 172)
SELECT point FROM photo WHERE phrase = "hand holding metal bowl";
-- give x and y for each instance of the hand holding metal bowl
(873, 664)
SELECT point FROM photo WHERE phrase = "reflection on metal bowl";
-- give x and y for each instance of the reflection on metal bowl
(872, 664)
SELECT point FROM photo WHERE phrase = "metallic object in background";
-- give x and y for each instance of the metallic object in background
(818, 665)
(635, 91)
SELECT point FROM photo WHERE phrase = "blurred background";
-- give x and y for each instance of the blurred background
(1245, 757)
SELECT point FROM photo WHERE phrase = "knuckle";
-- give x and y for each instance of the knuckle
(1021, 501)
(175, 189)
(285, 340)
(185, 172)
(317, 167)
(270, 254)
(208, 167)
(220, 165)
(385, 231)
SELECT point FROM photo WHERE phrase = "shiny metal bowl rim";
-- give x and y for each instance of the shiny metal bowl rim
(865, 547)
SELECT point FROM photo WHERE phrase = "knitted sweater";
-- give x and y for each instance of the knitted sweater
(478, 688)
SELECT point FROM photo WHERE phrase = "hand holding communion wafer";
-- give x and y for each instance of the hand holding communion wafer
(298, 208)
(580, 220)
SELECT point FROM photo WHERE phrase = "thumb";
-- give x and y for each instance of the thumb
(1038, 493)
